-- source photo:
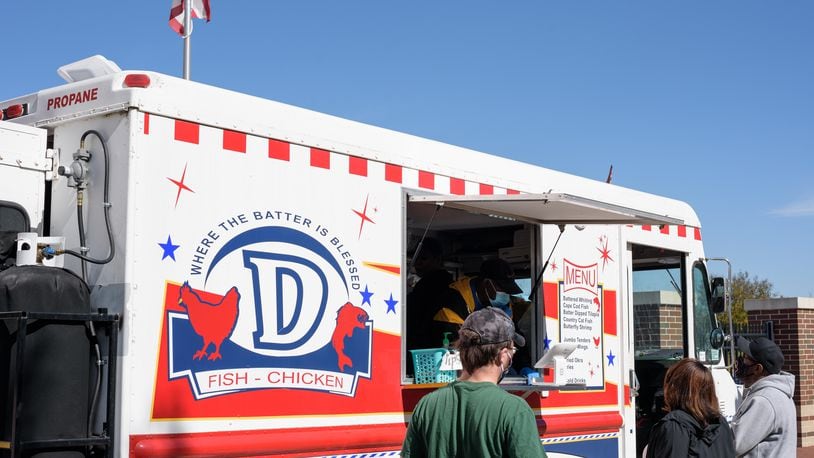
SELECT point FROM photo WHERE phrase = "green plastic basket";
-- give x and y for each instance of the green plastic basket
(426, 363)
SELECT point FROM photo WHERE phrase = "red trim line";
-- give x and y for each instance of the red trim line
(331, 440)
(279, 150)
(320, 158)
(609, 301)
(357, 166)
(146, 123)
(187, 131)
(385, 267)
(288, 442)
(457, 186)
(392, 173)
(584, 423)
(234, 141)
(426, 180)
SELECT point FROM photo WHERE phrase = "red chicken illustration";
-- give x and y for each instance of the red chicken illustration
(348, 318)
(213, 322)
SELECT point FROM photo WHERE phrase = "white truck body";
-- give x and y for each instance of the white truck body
(310, 218)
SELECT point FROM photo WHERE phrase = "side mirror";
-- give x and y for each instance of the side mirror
(718, 294)
(716, 338)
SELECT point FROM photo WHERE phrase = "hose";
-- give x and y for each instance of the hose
(85, 259)
(112, 252)
(80, 223)
(97, 387)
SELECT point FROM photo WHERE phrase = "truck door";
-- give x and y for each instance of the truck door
(659, 328)
(24, 166)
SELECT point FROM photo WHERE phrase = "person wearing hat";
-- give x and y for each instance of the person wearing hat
(473, 416)
(765, 423)
(492, 287)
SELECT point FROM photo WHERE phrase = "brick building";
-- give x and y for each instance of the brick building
(792, 319)
(657, 320)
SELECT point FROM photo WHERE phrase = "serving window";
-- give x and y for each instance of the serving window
(445, 258)
(450, 240)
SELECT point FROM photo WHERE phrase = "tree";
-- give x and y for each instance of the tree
(745, 287)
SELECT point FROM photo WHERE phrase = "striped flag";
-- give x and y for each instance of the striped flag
(200, 10)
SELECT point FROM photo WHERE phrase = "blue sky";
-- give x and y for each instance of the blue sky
(707, 102)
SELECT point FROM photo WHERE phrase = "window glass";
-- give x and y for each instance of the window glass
(703, 318)
(658, 317)
(13, 218)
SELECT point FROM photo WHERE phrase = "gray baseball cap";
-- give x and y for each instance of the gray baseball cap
(493, 326)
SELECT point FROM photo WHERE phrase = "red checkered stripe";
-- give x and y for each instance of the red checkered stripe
(672, 230)
(189, 132)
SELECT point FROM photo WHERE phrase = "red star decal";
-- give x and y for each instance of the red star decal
(554, 266)
(605, 254)
(181, 185)
(364, 217)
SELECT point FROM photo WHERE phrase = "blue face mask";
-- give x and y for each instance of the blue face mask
(501, 300)
(508, 366)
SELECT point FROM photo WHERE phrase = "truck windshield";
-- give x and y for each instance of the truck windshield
(703, 318)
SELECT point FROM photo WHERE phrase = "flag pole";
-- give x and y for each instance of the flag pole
(187, 34)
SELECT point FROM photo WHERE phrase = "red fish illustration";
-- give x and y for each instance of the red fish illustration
(348, 318)
(596, 301)
(213, 322)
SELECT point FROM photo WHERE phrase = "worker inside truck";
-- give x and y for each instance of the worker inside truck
(460, 263)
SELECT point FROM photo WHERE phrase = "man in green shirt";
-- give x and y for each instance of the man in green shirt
(473, 416)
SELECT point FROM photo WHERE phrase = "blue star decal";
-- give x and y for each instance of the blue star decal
(391, 304)
(366, 295)
(169, 249)
(610, 357)
(547, 343)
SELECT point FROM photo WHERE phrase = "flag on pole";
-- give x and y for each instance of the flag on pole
(200, 10)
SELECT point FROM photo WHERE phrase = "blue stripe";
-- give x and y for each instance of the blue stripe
(588, 447)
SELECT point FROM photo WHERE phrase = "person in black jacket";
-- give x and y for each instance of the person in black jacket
(426, 298)
(694, 425)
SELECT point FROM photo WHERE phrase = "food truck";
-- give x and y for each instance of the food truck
(191, 271)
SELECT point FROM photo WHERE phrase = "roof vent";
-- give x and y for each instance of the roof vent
(87, 68)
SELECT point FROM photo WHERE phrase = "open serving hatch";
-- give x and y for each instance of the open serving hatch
(548, 208)
(473, 228)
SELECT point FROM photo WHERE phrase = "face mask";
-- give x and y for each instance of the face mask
(509, 366)
(743, 369)
(501, 299)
